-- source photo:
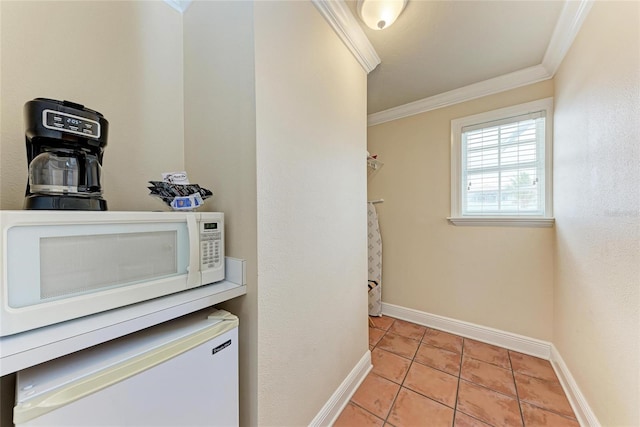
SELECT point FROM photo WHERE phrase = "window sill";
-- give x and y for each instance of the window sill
(502, 221)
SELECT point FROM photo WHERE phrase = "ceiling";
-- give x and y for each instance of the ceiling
(438, 46)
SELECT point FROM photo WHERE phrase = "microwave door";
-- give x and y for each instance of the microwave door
(76, 269)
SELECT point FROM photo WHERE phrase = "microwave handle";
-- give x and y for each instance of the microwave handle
(193, 278)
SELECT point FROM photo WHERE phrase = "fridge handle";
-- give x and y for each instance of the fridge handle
(193, 276)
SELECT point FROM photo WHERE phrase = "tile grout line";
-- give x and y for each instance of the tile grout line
(412, 360)
(546, 409)
(455, 409)
(460, 379)
(384, 420)
(543, 408)
(421, 342)
(393, 402)
(536, 405)
(367, 411)
(373, 348)
(515, 385)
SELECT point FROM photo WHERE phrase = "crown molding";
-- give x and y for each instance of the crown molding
(571, 18)
(466, 93)
(569, 22)
(179, 5)
(340, 18)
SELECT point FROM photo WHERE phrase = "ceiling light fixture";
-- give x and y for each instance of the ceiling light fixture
(379, 14)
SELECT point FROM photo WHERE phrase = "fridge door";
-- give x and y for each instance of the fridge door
(182, 373)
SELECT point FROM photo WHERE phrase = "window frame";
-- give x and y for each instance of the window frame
(544, 220)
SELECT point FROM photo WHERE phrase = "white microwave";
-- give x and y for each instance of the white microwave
(61, 265)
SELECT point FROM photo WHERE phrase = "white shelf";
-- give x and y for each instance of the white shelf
(40, 345)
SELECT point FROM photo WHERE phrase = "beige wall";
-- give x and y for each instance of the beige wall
(501, 277)
(597, 209)
(311, 149)
(123, 59)
(220, 150)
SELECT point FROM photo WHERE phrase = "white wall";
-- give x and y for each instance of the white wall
(500, 277)
(597, 209)
(275, 122)
(311, 151)
(123, 59)
(220, 151)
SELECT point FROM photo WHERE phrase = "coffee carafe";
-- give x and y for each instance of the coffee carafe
(65, 143)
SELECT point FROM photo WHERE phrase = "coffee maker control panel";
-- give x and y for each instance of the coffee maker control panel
(69, 123)
(210, 245)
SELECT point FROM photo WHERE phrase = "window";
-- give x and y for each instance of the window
(501, 166)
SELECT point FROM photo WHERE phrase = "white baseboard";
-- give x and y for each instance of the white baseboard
(515, 342)
(581, 408)
(339, 399)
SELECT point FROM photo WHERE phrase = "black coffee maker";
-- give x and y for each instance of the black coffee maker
(65, 143)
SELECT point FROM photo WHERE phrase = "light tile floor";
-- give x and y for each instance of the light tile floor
(426, 377)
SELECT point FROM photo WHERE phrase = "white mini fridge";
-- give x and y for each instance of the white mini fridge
(180, 373)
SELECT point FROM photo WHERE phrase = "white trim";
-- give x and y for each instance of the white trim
(457, 125)
(571, 18)
(179, 5)
(534, 347)
(345, 25)
(477, 90)
(339, 399)
(509, 340)
(581, 408)
(339, 17)
(502, 221)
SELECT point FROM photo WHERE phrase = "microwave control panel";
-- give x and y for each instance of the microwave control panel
(210, 245)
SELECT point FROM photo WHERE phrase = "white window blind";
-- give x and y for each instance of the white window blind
(503, 166)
